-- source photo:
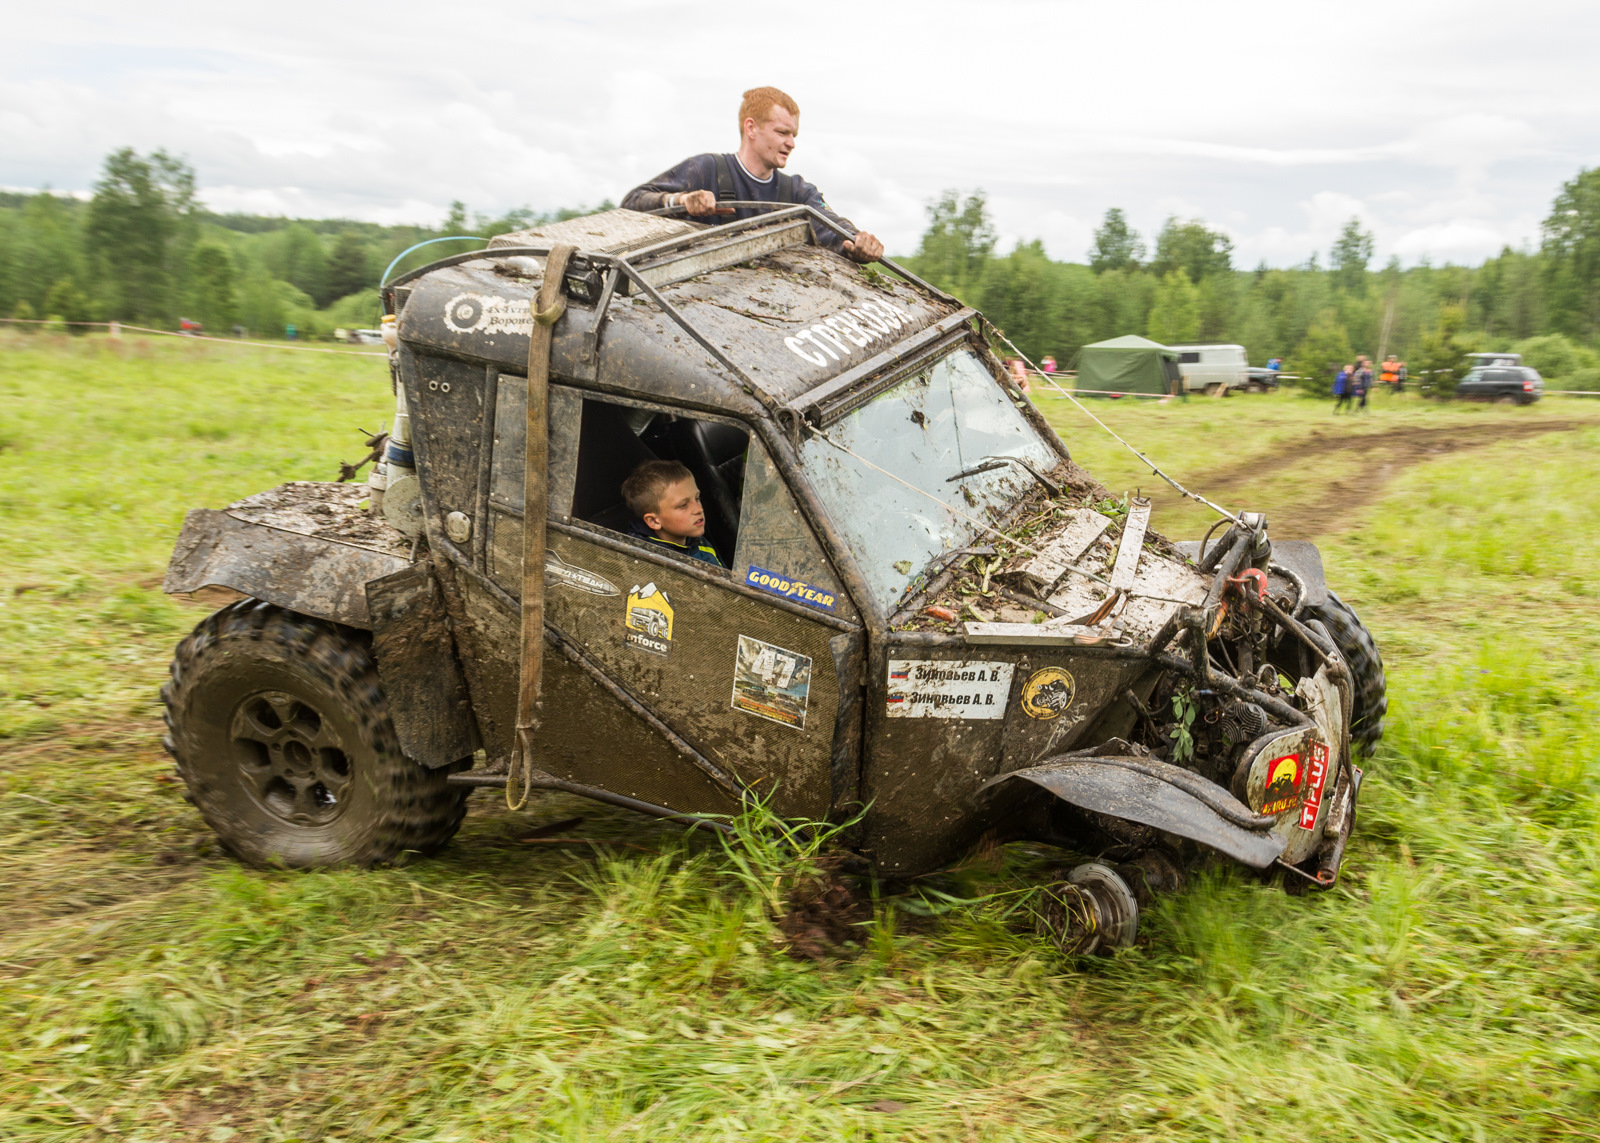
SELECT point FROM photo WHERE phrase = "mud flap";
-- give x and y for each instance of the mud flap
(424, 685)
(1105, 787)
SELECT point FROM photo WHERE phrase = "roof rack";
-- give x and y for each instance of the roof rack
(596, 276)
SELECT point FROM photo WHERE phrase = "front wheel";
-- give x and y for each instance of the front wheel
(1360, 652)
(279, 729)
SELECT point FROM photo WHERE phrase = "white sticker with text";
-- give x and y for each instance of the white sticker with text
(837, 336)
(948, 688)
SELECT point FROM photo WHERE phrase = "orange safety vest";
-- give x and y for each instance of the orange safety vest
(1389, 375)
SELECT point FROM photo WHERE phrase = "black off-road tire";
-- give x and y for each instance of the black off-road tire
(1360, 652)
(279, 728)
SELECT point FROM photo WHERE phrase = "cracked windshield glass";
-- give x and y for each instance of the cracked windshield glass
(948, 419)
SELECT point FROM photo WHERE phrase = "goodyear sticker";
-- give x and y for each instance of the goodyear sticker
(948, 688)
(1048, 692)
(771, 682)
(1283, 784)
(1312, 802)
(648, 619)
(790, 588)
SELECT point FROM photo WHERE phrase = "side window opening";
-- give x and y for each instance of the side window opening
(1190, 358)
(615, 439)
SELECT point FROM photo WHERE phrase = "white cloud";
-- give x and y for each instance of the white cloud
(1275, 122)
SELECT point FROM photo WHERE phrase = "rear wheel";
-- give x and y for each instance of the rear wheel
(279, 728)
(1360, 652)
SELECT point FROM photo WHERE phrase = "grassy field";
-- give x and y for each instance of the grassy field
(625, 983)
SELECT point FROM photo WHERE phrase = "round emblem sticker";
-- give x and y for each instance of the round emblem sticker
(1047, 693)
(463, 313)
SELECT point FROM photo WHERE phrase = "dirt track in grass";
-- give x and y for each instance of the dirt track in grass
(1355, 471)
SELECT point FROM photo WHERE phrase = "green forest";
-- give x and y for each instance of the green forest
(1316, 316)
(143, 250)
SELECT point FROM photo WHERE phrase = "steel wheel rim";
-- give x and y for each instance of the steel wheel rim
(290, 758)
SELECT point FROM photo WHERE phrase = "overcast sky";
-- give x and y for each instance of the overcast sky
(1447, 128)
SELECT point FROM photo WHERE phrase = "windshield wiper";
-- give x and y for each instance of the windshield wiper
(993, 462)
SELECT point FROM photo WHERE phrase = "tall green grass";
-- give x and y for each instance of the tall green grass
(631, 984)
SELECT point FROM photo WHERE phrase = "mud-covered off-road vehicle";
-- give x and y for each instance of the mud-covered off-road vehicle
(930, 616)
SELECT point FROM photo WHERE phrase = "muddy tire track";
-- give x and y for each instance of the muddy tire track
(1357, 470)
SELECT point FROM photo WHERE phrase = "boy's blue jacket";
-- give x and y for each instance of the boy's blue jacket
(699, 549)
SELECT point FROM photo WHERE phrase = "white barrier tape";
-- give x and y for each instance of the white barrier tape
(197, 336)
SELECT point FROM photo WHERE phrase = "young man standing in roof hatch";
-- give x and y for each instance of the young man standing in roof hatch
(769, 122)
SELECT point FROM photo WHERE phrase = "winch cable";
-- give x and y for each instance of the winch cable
(1155, 468)
(547, 306)
(987, 527)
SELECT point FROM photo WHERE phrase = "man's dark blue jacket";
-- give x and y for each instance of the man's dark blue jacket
(699, 172)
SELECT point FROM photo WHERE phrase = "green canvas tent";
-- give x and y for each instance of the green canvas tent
(1129, 364)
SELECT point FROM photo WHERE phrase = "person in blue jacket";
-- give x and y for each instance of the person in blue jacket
(1341, 388)
(769, 122)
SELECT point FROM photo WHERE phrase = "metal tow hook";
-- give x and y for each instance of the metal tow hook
(1256, 576)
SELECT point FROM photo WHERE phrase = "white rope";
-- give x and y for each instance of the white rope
(1217, 508)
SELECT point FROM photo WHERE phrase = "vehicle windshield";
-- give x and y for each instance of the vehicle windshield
(946, 419)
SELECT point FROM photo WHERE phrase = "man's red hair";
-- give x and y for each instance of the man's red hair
(758, 103)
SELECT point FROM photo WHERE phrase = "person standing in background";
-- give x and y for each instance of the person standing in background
(1341, 388)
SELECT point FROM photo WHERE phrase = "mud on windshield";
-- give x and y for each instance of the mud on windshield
(921, 468)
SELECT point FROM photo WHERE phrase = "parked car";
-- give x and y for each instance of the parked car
(1212, 367)
(1503, 384)
(1260, 379)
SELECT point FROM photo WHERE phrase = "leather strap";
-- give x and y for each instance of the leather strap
(547, 308)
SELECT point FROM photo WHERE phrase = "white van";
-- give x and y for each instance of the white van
(1208, 366)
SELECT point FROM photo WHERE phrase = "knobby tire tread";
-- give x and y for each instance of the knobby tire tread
(1360, 652)
(416, 810)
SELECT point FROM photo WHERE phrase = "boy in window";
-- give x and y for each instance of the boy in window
(665, 503)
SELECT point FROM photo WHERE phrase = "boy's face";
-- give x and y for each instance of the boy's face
(679, 516)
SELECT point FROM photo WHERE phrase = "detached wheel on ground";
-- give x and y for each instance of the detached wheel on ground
(279, 728)
(1356, 644)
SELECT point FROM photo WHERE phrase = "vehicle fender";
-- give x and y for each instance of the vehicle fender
(1105, 787)
(422, 679)
(309, 574)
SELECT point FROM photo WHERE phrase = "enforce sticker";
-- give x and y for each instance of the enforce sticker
(1283, 784)
(648, 618)
(789, 588)
(1047, 693)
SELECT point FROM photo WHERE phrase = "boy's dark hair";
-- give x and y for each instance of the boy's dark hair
(641, 492)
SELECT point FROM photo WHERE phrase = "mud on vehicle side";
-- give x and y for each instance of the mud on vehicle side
(928, 612)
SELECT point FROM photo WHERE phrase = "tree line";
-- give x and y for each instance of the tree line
(1544, 303)
(142, 250)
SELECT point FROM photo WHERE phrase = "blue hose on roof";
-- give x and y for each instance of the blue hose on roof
(419, 246)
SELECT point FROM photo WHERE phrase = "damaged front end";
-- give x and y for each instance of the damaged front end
(1233, 728)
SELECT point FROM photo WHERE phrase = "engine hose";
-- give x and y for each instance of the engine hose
(1231, 686)
(1299, 586)
(1228, 566)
